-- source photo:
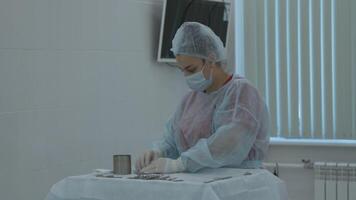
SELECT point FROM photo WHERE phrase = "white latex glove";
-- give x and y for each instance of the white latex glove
(146, 158)
(164, 165)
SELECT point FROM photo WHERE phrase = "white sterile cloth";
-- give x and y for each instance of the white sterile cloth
(234, 184)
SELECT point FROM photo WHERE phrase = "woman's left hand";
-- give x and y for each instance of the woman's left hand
(164, 165)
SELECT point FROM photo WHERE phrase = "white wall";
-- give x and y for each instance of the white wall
(78, 83)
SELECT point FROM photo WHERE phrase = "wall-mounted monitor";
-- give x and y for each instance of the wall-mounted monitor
(213, 13)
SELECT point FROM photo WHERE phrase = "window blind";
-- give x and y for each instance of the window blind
(301, 56)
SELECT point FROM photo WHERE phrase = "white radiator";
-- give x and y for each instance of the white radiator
(335, 181)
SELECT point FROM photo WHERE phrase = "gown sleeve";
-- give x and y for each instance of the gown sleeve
(168, 145)
(237, 121)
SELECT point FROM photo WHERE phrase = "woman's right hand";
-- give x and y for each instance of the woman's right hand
(146, 158)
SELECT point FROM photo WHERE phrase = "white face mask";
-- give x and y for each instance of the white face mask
(197, 81)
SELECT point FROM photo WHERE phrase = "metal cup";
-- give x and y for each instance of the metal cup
(122, 164)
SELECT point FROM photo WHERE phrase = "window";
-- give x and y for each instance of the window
(301, 55)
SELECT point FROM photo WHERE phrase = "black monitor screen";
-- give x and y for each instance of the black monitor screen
(211, 13)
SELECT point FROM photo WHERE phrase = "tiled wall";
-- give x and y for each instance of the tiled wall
(78, 83)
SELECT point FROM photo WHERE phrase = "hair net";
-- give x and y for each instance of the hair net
(197, 40)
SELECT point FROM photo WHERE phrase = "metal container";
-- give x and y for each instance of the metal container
(122, 164)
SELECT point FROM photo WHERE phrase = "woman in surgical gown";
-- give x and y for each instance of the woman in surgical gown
(222, 122)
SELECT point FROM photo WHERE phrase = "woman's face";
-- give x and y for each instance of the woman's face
(190, 65)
